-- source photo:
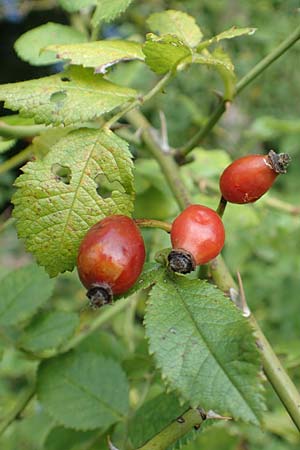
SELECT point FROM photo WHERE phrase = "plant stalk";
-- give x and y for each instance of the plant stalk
(281, 382)
(165, 160)
(152, 223)
(257, 70)
(16, 160)
(174, 431)
(20, 131)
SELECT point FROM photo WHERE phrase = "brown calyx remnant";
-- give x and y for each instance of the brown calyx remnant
(99, 295)
(278, 161)
(181, 261)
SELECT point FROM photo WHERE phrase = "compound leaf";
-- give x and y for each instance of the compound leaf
(100, 54)
(87, 175)
(76, 95)
(49, 330)
(30, 44)
(165, 53)
(205, 347)
(176, 23)
(95, 387)
(23, 292)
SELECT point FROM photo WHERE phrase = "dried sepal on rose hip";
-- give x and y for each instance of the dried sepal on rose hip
(248, 178)
(110, 259)
(197, 236)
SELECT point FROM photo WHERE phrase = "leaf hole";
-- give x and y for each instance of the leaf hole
(65, 79)
(62, 173)
(58, 97)
(105, 187)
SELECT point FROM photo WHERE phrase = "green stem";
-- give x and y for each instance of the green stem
(165, 160)
(152, 223)
(174, 431)
(107, 313)
(202, 133)
(276, 374)
(18, 131)
(20, 405)
(140, 100)
(247, 79)
(16, 160)
(279, 379)
(221, 207)
(268, 60)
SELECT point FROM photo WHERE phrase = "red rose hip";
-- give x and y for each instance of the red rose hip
(248, 178)
(197, 236)
(110, 258)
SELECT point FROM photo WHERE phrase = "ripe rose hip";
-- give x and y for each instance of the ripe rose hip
(248, 178)
(197, 236)
(110, 258)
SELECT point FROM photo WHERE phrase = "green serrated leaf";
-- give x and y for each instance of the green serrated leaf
(209, 60)
(76, 5)
(205, 347)
(57, 199)
(49, 331)
(30, 44)
(76, 95)
(95, 387)
(222, 62)
(42, 144)
(100, 55)
(176, 23)
(108, 10)
(228, 34)
(153, 417)
(6, 144)
(226, 72)
(23, 292)
(165, 53)
(148, 277)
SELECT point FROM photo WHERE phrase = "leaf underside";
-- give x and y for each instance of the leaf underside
(100, 54)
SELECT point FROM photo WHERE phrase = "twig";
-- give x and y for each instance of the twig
(20, 405)
(247, 79)
(152, 223)
(174, 431)
(281, 382)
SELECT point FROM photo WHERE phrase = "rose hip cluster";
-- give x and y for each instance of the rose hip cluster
(112, 253)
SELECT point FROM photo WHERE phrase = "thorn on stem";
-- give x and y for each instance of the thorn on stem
(242, 298)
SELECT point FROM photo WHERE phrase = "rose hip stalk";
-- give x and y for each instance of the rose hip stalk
(197, 236)
(248, 178)
(110, 258)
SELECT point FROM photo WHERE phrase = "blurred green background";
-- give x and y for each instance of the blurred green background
(263, 240)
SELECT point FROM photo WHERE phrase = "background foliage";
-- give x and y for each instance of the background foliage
(262, 239)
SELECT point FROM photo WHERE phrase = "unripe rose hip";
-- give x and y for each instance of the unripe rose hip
(197, 236)
(110, 258)
(248, 178)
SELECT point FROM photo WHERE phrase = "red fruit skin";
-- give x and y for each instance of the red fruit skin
(111, 252)
(200, 231)
(247, 179)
